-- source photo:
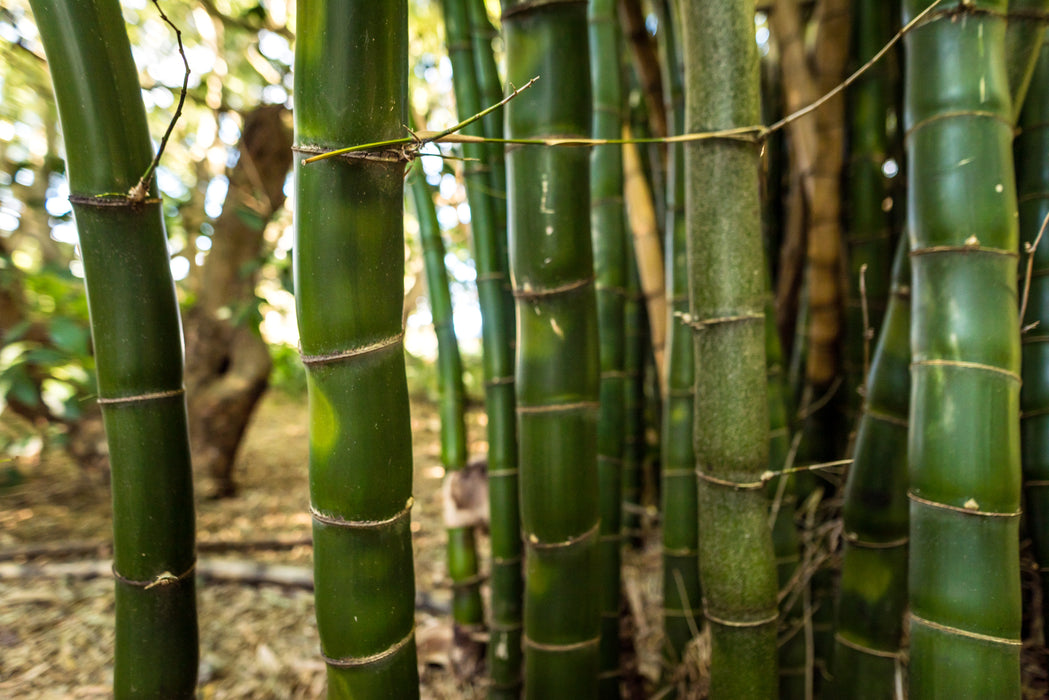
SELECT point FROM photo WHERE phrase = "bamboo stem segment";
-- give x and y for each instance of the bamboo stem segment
(609, 242)
(727, 296)
(471, 55)
(349, 258)
(1032, 183)
(964, 437)
(557, 364)
(138, 345)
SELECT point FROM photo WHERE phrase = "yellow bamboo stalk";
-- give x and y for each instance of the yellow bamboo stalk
(644, 227)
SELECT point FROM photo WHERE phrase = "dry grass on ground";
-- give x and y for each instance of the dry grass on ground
(257, 641)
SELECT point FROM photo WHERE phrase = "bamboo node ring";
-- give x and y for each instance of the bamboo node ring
(699, 325)
(962, 364)
(470, 581)
(854, 540)
(108, 200)
(558, 407)
(970, 245)
(869, 651)
(534, 543)
(389, 155)
(362, 524)
(152, 396)
(165, 578)
(970, 507)
(939, 627)
(735, 485)
(506, 561)
(358, 661)
(680, 551)
(767, 620)
(541, 646)
(353, 352)
(527, 292)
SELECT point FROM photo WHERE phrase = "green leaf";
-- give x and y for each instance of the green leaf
(69, 335)
(20, 387)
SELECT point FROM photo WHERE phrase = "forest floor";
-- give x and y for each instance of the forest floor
(257, 640)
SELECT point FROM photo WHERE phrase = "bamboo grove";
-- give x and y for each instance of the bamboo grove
(850, 444)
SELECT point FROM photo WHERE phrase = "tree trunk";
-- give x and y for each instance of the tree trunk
(227, 362)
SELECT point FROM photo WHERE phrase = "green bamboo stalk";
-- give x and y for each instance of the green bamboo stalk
(633, 401)
(873, 590)
(1031, 150)
(557, 346)
(965, 350)
(349, 257)
(488, 225)
(137, 341)
(682, 595)
(467, 608)
(1023, 41)
(607, 219)
(869, 233)
(483, 173)
(491, 91)
(727, 296)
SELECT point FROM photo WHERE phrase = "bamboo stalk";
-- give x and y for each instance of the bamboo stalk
(137, 341)
(965, 352)
(873, 591)
(609, 237)
(646, 63)
(633, 402)
(349, 257)
(557, 364)
(1023, 41)
(483, 175)
(682, 595)
(868, 220)
(727, 295)
(491, 90)
(644, 228)
(461, 523)
(1031, 150)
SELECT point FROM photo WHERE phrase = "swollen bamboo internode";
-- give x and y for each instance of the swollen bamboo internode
(557, 346)
(349, 271)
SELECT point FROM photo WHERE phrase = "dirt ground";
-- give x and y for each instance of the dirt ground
(257, 641)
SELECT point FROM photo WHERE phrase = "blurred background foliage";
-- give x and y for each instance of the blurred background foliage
(240, 56)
